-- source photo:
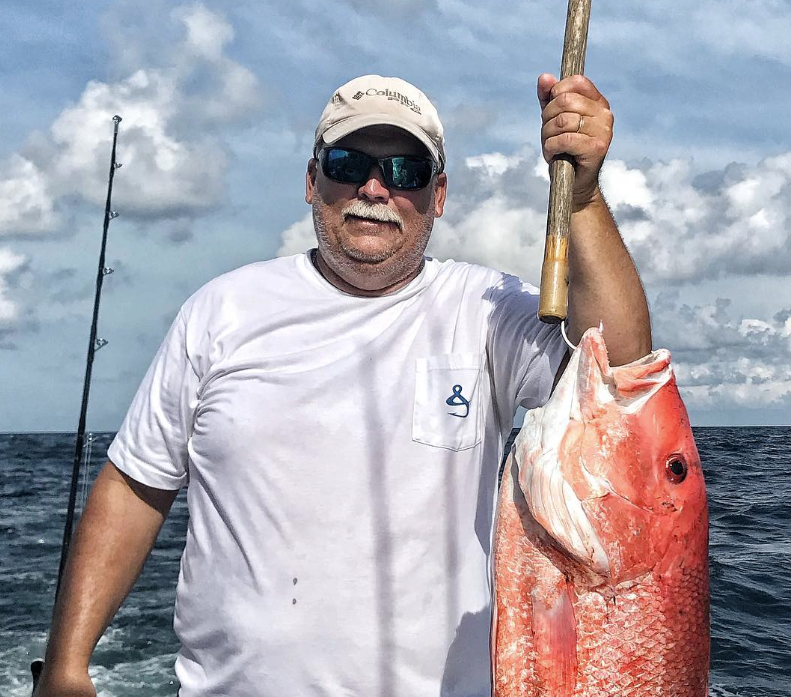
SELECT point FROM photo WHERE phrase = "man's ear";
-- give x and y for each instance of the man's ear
(310, 179)
(440, 192)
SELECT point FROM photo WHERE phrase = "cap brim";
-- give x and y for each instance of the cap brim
(354, 123)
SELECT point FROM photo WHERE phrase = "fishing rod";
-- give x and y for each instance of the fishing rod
(94, 345)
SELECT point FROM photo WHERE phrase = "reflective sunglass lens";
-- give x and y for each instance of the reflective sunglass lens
(408, 172)
(353, 167)
(346, 165)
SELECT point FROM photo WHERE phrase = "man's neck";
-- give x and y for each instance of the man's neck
(341, 284)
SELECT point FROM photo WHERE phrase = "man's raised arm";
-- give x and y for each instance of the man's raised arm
(603, 282)
(114, 537)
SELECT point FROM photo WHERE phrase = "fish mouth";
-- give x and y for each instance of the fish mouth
(597, 383)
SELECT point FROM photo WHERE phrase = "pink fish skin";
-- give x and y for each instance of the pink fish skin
(601, 541)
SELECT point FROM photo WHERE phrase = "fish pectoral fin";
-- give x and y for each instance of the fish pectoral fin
(555, 636)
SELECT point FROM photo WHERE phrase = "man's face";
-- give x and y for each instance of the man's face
(372, 237)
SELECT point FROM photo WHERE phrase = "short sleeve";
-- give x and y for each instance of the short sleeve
(524, 353)
(151, 446)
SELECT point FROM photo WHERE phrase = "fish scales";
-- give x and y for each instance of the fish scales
(601, 574)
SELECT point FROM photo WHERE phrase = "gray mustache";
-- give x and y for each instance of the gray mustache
(372, 211)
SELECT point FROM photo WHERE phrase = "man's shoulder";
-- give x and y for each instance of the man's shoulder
(450, 268)
(249, 281)
(256, 273)
(467, 273)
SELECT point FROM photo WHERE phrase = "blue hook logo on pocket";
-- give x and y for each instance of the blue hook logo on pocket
(458, 400)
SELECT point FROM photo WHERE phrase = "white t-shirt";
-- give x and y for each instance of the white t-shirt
(342, 457)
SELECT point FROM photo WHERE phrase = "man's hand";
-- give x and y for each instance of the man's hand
(578, 122)
(53, 685)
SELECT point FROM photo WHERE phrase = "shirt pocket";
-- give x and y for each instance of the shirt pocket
(447, 401)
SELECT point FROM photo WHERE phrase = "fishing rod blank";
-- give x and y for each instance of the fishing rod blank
(93, 346)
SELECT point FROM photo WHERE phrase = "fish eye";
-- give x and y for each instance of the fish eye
(676, 469)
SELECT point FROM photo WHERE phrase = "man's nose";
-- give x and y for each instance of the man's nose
(374, 188)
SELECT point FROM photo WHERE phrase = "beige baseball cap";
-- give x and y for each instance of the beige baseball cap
(373, 100)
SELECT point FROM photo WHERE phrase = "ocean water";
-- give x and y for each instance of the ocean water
(748, 472)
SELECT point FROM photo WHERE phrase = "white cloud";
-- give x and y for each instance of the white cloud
(10, 264)
(495, 213)
(26, 204)
(723, 361)
(749, 28)
(495, 233)
(164, 175)
(683, 226)
(494, 164)
(174, 160)
(207, 34)
(626, 187)
(297, 238)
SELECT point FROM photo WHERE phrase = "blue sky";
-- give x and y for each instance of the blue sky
(219, 104)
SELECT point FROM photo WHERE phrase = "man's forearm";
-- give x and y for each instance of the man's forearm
(113, 539)
(604, 285)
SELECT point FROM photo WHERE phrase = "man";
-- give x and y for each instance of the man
(340, 416)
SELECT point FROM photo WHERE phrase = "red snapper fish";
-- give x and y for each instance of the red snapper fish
(601, 545)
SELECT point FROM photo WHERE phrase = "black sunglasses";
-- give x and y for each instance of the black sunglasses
(403, 172)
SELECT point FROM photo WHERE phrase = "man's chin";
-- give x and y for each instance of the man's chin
(372, 255)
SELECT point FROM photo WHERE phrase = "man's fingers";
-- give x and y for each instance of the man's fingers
(584, 147)
(571, 102)
(564, 144)
(579, 84)
(546, 82)
(576, 122)
(573, 122)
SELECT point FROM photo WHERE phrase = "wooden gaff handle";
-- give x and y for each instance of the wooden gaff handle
(553, 301)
